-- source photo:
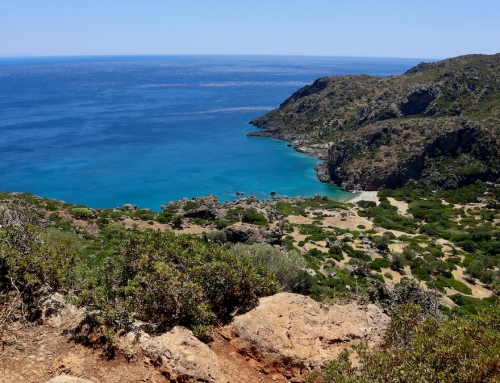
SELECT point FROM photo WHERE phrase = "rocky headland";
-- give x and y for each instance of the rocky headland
(439, 122)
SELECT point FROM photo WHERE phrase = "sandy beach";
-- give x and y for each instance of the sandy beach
(364, 196)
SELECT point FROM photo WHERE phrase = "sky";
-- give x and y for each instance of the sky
(369, 28)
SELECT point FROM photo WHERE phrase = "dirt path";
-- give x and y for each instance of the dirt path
(38, 353)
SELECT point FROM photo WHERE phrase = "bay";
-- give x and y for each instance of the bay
(104, 131)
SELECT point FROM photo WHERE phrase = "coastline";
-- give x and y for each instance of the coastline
(364, 196)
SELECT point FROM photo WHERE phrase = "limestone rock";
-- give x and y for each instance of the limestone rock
(242, 233)
(56, 311)
(183, 358)
(294, 335)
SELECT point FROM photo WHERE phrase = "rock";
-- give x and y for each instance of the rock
(182, 358)
(329, 242)
(56, 312)
(293, 335)
(242, 233)
(329, 274)
(128, 206)
(311, 272)
(316, 243)
(68, 379)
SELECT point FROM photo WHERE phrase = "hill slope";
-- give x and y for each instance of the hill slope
(438, 122)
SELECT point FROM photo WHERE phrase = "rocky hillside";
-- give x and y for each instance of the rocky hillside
(438, 122)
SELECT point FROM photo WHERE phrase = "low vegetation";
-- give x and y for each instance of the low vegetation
(421, 349)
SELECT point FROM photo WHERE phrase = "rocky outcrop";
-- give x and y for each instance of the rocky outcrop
(438, 122)
(294, 335)
(466, 143)
(244, 233)
(177, 354)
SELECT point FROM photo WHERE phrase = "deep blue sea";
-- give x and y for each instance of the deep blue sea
(104, 131)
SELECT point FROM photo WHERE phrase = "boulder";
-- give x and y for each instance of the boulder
(54, 310)
(242, 233)
(68, 379)
(182, 358)
(294, 335)
(209, 208)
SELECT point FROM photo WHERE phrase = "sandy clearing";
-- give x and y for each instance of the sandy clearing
(402, 206)
(300, 220)
(351, 222)
(478, 291)
(396, 247)
(186, 229)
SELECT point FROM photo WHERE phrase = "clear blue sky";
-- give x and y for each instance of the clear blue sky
(376, 28)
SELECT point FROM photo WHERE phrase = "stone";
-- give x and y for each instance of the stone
(293, 334)
(128, 206)
(242, 233)
(182, 358)
(55, 311)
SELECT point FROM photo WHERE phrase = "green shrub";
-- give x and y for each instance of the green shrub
(191, 205)
(378, 277)
(426, 350)
(81, 212)
(165, 217)
(159, 277)
(336, 253)
(285, 266)
(254, 217)
(397, 262)
(378, 263)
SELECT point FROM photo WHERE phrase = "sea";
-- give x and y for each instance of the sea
(105, 131)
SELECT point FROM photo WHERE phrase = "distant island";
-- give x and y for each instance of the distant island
(438, 122)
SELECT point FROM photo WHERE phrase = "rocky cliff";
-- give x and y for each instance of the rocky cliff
(439, 122)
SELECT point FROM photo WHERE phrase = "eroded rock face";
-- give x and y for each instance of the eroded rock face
(293, 335)
(182, 358)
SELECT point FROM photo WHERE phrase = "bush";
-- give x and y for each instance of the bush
(165, 217)
(378, 263)
(426, 350)
(468, 245)
(254, 217)
(177, 220)
(191, 205)
(285, 266)
(397, 262)
(81, 212)
(336, 253)
(161, 278)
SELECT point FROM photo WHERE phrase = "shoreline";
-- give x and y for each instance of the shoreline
(364, 196)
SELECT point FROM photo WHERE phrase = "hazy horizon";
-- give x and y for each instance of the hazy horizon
(355, 28)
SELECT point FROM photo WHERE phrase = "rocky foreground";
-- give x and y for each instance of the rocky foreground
(439, 122)
(285, 338)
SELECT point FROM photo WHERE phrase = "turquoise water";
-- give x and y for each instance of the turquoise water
(104, 131)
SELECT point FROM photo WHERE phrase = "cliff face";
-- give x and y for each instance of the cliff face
(438, 122)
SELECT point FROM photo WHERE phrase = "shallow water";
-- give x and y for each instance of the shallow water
(104, 131)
